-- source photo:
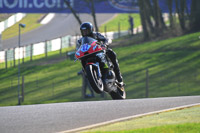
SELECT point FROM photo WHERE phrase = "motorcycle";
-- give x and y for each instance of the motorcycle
(98, 68)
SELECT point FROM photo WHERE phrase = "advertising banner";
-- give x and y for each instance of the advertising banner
(33, 6)
(80, 6)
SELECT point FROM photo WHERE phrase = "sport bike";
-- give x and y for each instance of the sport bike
(98, 68)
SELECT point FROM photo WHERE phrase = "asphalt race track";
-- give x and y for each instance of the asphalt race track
(47, 118)
(60, 25)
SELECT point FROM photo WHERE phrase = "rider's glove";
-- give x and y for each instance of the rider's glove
(104, 46)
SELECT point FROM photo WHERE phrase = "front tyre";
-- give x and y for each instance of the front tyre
(95, 81)
(118, 94)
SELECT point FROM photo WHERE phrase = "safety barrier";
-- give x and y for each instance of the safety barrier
(36, 49)
(39, 48)
(11, 21)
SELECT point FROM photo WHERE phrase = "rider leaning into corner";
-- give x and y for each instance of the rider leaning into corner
(87, 30)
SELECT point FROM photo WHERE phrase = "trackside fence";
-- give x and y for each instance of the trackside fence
(151, 83)
(47, 87)
(8, 57)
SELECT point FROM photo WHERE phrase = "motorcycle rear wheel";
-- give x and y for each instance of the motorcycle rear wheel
(95, 81)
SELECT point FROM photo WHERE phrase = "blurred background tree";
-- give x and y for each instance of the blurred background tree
(153, 21)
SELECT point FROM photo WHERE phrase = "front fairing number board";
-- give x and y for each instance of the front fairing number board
(85, 47)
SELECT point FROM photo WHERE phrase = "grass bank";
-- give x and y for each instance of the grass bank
(113, 24)
(31, 21)
(5, 16)
(173, 68)
(178, 121)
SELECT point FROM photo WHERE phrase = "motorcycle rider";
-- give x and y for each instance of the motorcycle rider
(87, 29)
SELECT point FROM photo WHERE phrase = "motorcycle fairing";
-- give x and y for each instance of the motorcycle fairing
(89, 46)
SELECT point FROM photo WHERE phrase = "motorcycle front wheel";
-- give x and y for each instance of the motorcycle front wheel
(118, 94)
(95, 81)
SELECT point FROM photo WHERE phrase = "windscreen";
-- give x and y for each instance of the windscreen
(88, 40)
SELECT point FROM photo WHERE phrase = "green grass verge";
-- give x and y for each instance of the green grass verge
(177, 128)
(173, 66)
(31, 23)
(178, 121)
(112, 25)
(4, 16)
(47, 80)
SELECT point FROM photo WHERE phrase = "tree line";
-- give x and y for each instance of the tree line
(153, 21)
(152, 16)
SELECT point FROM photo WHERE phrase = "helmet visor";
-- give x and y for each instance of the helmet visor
(85, 32)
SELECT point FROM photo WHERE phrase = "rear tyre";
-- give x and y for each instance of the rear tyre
(95, 81)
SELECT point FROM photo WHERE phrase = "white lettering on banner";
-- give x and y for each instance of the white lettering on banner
(59, 4)
(1, 4)
(30, 5)
(33, 4)
(20, 4)
(25, 3)
(48, 5)
(8, 5)
(38, 5)
(72, 4)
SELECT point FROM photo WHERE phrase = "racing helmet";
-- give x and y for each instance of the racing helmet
(86, 29)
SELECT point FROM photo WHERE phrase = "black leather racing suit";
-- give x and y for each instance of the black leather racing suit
(110, 53)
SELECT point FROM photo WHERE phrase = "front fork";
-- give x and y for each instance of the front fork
(96, 65)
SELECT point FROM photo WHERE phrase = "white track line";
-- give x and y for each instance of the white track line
(48, 18)
(126, 118)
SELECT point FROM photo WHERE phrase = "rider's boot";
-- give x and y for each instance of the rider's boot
(112, 56)
(119, 77)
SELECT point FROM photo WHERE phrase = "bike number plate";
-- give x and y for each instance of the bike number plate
(85, 47)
